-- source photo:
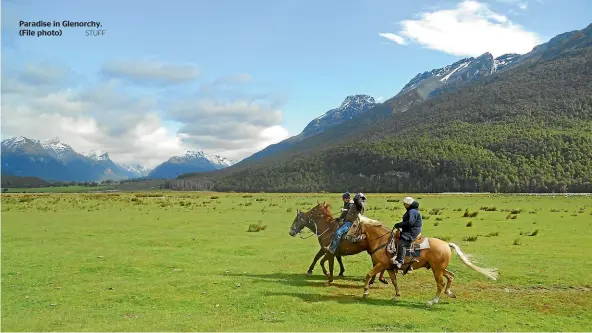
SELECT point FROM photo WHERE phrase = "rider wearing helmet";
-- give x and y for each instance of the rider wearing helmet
(351, 217)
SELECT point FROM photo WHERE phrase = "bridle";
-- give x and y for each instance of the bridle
(309, 224)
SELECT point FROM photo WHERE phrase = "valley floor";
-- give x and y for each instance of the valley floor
(184, 261)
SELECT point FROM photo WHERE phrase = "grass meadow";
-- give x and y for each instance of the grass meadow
(180, 261)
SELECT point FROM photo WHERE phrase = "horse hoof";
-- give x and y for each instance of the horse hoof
(430, 303)
(395, 299)
(308, 273)
(365, 295)
(451, 295)
(383, 281)
(327, 283)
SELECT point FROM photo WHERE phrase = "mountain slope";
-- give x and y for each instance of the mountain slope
(352, 107)
(524, 129)
(189, 163)
(55, 160)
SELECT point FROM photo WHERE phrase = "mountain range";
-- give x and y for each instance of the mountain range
(471, 125)
(55, 160)
(511, 123)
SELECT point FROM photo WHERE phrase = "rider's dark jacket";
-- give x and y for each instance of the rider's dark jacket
(346, 207)
(411, 224)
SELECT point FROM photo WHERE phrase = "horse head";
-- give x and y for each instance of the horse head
(310, 218)
(300, 221)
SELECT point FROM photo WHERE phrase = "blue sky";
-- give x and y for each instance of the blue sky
(231, 77)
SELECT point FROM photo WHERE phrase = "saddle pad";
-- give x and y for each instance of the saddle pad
(425, 244)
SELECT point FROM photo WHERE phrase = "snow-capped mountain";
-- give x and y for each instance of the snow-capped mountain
(192, 161)
(97, 155)
(53, 159)
(136, 169)
(351, 107)
(432, 83)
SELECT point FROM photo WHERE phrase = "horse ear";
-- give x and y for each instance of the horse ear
(297, 211)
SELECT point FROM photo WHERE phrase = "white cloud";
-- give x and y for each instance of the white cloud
(523, 6)
(150, 72)
(135, 127)
(470, 29)
(379, 99)
(392, 37)
(238, 124)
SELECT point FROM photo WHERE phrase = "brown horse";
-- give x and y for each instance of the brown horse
(436, 256)
(320, 221)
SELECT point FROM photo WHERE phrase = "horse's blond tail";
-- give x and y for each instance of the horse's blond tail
(491, 273)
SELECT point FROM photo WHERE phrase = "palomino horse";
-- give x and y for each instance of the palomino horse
(320, 221)
(436, 256)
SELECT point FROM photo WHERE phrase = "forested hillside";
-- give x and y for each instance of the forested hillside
(528, 129)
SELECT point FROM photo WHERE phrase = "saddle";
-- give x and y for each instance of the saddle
(393, 244)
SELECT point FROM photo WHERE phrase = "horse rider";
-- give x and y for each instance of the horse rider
(347, 203)
(410, 229)
(351, 217)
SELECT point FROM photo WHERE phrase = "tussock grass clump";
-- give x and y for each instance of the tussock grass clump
(469, 214)
(470, 238)
(470, 224)
(393, 200)
(492, 234)
(488, 209)
(256, 227)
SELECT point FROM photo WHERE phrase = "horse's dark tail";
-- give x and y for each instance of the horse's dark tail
(491, 273)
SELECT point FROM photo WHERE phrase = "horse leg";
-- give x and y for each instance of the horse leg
(331, 266)
(393, 275)
(438, 276)
(371, 273)
(323, 265)
(314, 261)
(449, 276)
(341, 268)
(382, 279)
(373, 276)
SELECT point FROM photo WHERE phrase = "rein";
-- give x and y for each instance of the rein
(316, 231)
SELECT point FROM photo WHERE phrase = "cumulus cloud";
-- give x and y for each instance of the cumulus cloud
(149, 72)
(470, 29)
(240, 125)
(393, 37)
(139, 127)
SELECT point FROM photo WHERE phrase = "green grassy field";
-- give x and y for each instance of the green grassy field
(58, 189)
(185, 262)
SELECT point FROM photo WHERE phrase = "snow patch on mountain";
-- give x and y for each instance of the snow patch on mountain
(214, 159)
(97, 155)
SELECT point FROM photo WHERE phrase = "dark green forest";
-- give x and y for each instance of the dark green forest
(524, 130)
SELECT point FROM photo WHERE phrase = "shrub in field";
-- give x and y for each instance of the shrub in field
(468, 214)
(435, 224)
(470, 224)
(436, 211)
(470, 238)
(256, 227)
(534, 233)
(214, 197)
(492, 234)
(488, 209)
(517, 241)
(289, 210)
(392, 200)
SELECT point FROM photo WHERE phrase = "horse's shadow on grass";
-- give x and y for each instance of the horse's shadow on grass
(350, 299)
(300, 280)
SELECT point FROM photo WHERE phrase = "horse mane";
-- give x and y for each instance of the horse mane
(372, 222)
(322, 210)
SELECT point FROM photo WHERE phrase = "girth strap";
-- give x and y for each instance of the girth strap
(378, 248)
